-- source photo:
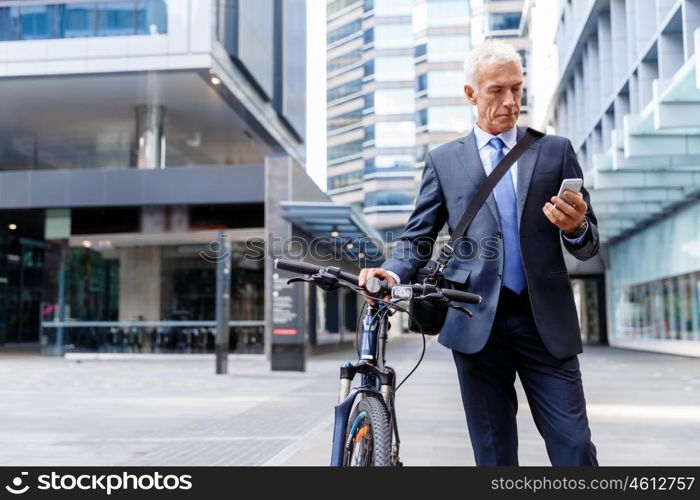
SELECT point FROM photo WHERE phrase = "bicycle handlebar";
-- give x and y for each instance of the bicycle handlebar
(305, 268)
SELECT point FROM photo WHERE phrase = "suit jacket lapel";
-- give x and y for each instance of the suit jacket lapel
(471, 162)
(526, 166)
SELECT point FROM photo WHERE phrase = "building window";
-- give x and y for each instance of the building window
(392, 8)
(344, 90)
(501, 21)
(447, 48)
(389, 163)
(664, 309)
(393, 36)
(395, 134)
(115, 18)
(392, 68)
(344, 180)
(343, 150)
(74, 20)
(422, 118)
(369, 133)
(394, 101)
(445, 84)
(385, 197)
(338, 5)
(343, 61)
(422, 82)
(344, 31)
(449, 118)
(368, 68)
(345, 120)
(440, 14)
(368, 36)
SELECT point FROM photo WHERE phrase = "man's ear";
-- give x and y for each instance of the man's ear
(470, 93)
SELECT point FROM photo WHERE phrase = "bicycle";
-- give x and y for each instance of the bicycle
(365, 432)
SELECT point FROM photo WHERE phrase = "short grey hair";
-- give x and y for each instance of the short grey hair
(489, 52)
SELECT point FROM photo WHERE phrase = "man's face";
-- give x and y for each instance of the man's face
(497, 96)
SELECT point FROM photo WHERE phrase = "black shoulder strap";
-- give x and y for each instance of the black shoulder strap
(531, 135)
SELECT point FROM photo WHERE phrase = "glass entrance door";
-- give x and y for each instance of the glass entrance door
(21, 279)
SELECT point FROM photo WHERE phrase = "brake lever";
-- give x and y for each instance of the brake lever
(324, 280)
(460, 308)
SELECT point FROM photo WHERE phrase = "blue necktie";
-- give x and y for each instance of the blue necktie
(513, 271)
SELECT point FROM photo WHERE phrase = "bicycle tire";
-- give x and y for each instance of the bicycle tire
(379, 432)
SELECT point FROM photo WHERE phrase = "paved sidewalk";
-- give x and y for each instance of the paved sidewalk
(644, 409)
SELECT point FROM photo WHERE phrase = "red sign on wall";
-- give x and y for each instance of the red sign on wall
(284, 331)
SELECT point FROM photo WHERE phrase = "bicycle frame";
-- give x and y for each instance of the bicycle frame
(378, 380)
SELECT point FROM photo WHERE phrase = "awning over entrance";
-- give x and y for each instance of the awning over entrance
(340, 225)
(653, 164)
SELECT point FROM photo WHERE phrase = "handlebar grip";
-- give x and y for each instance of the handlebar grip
(459, 296)
(296, 266)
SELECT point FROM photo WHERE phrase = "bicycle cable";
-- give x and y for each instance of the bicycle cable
(390, 305)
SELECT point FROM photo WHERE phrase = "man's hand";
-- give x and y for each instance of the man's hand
(380, 273)
(567, 214)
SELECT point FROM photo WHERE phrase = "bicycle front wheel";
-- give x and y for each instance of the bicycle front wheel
(368, 442)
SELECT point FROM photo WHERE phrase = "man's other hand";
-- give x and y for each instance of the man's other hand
(378, 272)
(567, 214)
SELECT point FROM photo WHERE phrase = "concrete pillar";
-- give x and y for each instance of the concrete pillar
(618, 30)
(605, 63)
(139, 283)
(691, 20)
(150, 136)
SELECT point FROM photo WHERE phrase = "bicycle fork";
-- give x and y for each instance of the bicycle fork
(377, 380)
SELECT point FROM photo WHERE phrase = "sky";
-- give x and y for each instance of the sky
(316, 91)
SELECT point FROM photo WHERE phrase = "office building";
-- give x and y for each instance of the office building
(132, 134)
(627, 97)
(395, 80)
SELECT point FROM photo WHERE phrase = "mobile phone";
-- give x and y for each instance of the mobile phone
(573, 185)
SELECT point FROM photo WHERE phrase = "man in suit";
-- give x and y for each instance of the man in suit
(511, 256)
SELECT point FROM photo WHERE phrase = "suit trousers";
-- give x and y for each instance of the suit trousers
(553, 388)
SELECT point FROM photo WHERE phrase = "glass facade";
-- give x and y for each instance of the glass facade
(383, 197)
(338, 5)
(393, 36)
(502, 21)
(391, 8)
(344, 180)
(83, 19)
(441, 13)
(447, 83)
(395, 48)
(447, 48)
(343, 150)
(394, 101)
(456, 118)
(344, 90)
(149, 299)
(664, 309)
(348, 119)
(21, 274)
(345, 60)
(395, 134)
(344, 31)
(655, 281)
(393, 68)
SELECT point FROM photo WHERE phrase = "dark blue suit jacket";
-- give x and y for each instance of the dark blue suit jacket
(452, 174)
